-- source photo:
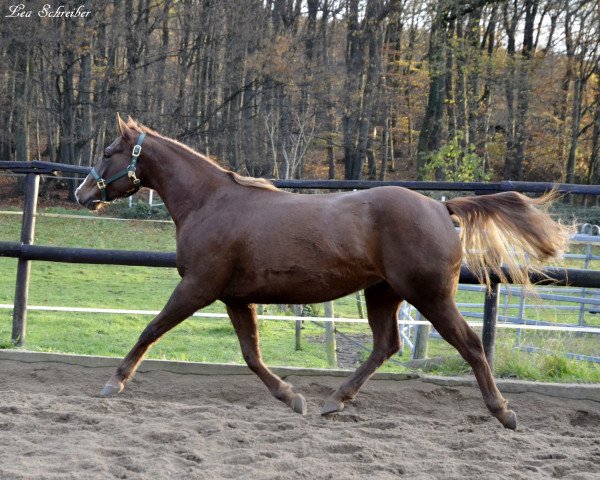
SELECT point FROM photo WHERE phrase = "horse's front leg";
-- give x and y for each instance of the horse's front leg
(184, 301)
(245, 322)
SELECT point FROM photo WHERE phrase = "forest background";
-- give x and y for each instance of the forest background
(356, 89)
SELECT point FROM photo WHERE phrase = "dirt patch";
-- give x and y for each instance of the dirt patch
(348, 349)
(164, 425)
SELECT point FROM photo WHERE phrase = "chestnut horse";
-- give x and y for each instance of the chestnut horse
(243, 241)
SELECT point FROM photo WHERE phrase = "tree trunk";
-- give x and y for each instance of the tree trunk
(461, 84)
(371, 163)
(85, 88)
(524, 89)
(594, 168)
(407, 90)
(431, 129)
(486, 100)
(352, 91)
(373, 36)
(22, 97)
(575, 125)
(164, 49)
(9, 57)
(560, 109)
(449, 83)
(474, 64)
(511, 20)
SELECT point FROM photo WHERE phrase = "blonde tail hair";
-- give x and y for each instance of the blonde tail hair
(508, 230)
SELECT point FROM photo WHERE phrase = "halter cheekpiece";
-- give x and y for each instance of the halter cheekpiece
(128, 171)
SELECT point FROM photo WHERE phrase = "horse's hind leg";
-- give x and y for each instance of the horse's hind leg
(245, 322)
(382, 309)
(184, 301)
(451, 325)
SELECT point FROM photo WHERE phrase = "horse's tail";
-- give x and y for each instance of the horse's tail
(508, 229)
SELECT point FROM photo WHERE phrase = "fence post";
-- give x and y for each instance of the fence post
(19, 325)
(359, 304)
(421, 339)
(298, 313)
(521, 316)
(330, 335)
(586, 265)
(490, 318)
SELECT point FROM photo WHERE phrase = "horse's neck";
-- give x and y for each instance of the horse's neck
(184, 180)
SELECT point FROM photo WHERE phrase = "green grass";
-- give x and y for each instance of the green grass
(213, 340)
(196, 339)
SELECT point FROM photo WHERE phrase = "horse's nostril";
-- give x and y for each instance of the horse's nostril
(83, 197)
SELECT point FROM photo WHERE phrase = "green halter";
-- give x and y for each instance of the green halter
(128, 171)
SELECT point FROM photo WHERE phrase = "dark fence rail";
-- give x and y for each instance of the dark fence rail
(477, 187)
(87, 255)
(43, 168)
(50, 168)
(26, 252)
(571, 277)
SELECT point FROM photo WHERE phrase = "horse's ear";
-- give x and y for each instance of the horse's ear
(119, 124)
(124, 130)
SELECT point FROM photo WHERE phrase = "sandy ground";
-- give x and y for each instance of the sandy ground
(54, 425)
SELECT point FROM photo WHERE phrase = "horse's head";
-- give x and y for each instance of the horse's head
(116, 174)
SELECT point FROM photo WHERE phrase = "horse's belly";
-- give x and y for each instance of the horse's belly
(295, 285)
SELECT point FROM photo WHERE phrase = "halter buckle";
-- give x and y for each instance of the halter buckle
(101, 183)
(137, 150)
(134, 179)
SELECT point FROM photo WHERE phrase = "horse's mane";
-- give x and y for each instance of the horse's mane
(236, 177)
(252, 181)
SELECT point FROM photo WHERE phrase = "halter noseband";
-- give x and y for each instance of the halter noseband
(128, 171)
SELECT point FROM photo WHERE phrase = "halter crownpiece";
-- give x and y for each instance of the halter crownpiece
(128, 171)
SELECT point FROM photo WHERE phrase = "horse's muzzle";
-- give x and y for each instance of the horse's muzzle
(87, 201)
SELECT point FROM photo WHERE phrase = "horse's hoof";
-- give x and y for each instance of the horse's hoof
(510, 420)
(332, 406)
(112, 388)
(299, 404)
